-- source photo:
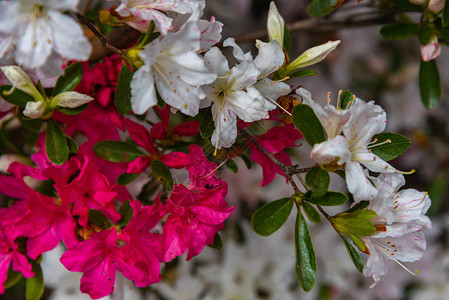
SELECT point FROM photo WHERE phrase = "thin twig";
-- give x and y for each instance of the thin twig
(94, 30)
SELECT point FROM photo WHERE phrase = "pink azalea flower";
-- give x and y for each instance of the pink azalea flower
(143, 138)
(162, 130)
(197, 212)
(89, 190)
(134, 252)
(9, 254)
(275, 141)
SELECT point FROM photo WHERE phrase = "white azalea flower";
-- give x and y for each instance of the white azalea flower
(399, 223)
(231, 97)
(21, 81)
(35, 109)
(269, 59)
(37, 32)
(138, 13)
(177, 70)
(70, 99)
(275, 24)
(359, 123)
(210, 33)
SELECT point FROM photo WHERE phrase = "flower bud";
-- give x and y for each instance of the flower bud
(431, 50)
(21, 81)
(312, 56)
(275, 25)
(70, 100)
(35, 109)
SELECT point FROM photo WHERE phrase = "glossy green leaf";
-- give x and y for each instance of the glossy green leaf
(399, 31)
(126, 178)
(359, 206)
(218, 242)
(162, 173)
(307, 122)
(424, 34)
(318, 8)
(69, 80)
(56, 143)
(127, 213)
(98, 218)
(117, 151)
(73, 111)
(305, 255)
(73, 146)
(12, 278)
(207, 125)
(346, 98)
(231, 165)
(271, 216)
(302, 73)
(18, 97)
(389, 145)
(33, 125)
(329, 199)
(357, 241)
(122, 97)
(311, 213)
(355, 257)
(445, 15)
(318, 181)
(34, 287)
(357, 223)
(148, 36)
(429, 83)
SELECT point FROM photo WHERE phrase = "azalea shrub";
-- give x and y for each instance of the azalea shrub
(124, 150)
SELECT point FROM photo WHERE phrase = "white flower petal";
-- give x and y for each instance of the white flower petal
(245, 107)
(71, 99)
(270, 57)
(275, 24)
(21, 81)
(216, 61)
(210, 33)
(327, 151)
(190, 68)
(237, 51)
(358, 184)
(34, 109)
(225, 127)
(243, 75)
(143, 93)
(271, 89)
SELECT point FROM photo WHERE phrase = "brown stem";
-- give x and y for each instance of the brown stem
(94, 30)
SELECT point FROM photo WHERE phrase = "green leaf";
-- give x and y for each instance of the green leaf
(429, 83)
(126, 178)
(307, 122)
(357, 241)
(218, 242)
(35, 285)
(207, 125)
(69, 80)
(148, 36)
(329, 199)
(346, 98)
(33, 125)
(162, 173)
(122, 97)
(18, 97)
(271, 216)
(73, 146)
(353, 254)
(232, 165)
(13, 278)
(117, 151)
(98, 218)
(287, 39)
(318, 8)
(311, 213)
(73, 111)
(445, 15)
(355, 223)
(389, 145)
(424, 34)
(56, 143)
(359, 206)
(127, 214)
(399, 31)
(302, 73)
(305, 255)
(318, 181)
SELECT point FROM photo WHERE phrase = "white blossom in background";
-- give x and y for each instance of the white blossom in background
(177, 70)
(399, 223)
(138, 13)
(38, 36)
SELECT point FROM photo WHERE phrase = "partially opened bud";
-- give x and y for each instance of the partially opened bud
(35, 109)
(275, 25)
(436, 6)
(431, 50)
(21, 81)
(312, 56)
(70, 100)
